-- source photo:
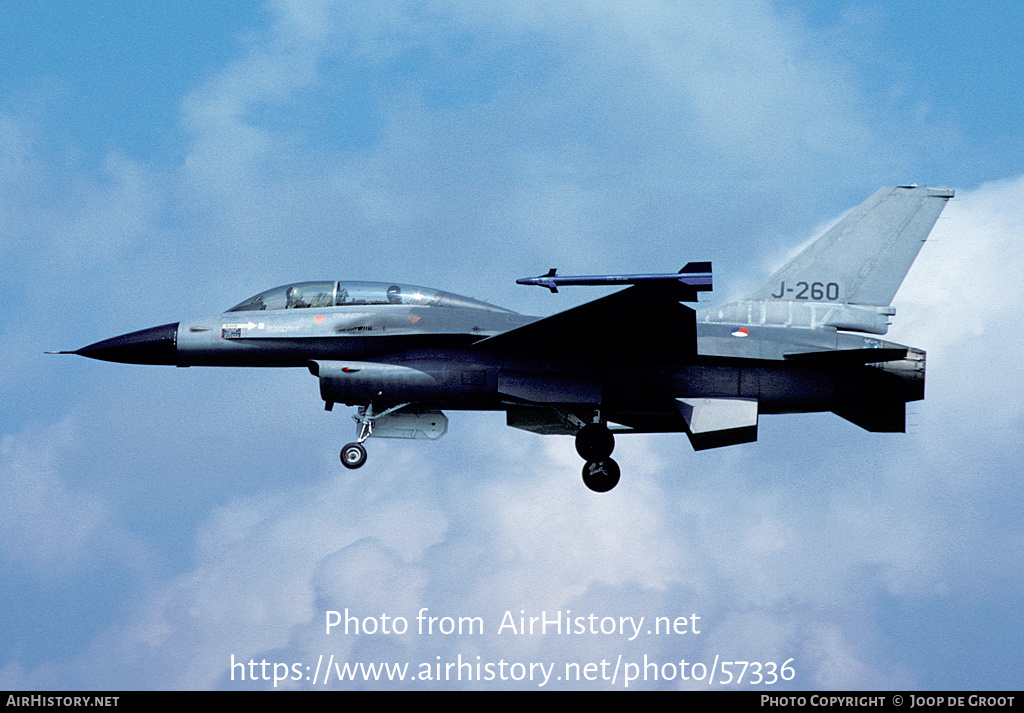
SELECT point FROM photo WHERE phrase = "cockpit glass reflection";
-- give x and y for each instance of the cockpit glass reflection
(305, 295)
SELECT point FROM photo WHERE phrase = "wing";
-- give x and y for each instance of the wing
(641, 323)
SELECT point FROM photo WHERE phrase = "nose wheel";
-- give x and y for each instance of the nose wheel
(353, 456)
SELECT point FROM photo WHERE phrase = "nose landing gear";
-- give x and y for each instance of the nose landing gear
(353, 455)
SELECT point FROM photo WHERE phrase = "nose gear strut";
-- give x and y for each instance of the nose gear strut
(353, 455)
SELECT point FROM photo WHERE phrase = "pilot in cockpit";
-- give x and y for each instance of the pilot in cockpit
(294, 298)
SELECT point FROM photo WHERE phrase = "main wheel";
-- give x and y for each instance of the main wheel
(594, 442)
(353, 455)
(601, 476)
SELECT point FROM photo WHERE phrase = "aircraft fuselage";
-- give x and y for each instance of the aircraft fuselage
(461, 376)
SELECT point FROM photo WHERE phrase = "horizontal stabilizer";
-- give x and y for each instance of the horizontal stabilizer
(883, 418)
(847, 357)
(713, 423)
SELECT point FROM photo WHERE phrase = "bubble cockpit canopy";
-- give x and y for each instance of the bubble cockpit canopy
(318, 295)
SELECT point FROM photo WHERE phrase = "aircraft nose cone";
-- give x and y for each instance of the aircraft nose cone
(156, 345)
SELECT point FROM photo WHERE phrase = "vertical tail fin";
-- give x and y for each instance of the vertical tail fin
(863, 258)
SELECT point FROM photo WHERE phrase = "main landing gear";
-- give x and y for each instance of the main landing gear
(595, 443)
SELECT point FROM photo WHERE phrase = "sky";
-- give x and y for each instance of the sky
(164, 161)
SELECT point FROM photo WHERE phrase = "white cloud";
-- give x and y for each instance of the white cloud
(47, 527)
(589, 124)
(962, 302)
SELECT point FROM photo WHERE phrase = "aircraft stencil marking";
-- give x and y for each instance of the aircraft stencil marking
(809, 291)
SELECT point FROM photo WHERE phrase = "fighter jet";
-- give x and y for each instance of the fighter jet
(634, 361)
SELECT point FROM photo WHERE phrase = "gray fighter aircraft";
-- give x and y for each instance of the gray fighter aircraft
(635, 361)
